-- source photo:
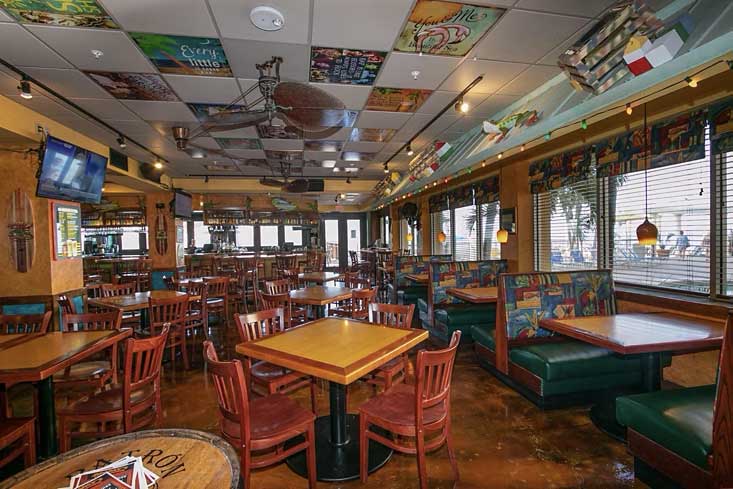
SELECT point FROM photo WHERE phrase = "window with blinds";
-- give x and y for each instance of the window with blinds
(679, 206)
(440, 222)
(490, 248)
(724, 231)
(409, 238)
(565, 227)
(466, 233)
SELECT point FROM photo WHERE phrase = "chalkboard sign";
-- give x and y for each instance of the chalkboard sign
(117, 159)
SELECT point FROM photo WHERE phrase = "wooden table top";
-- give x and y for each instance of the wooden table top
(198, 280)
(136, 301)
(184, 459)
(121, 259)
(477, 295)
(320, 295)
(335, 349)
(420, 278)
(41, 356)
(642, 333)
(319, 277)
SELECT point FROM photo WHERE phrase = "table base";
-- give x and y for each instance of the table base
(339, 463)
(603, 416)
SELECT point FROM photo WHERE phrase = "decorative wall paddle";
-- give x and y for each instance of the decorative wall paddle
(21, 231)
(161, 226)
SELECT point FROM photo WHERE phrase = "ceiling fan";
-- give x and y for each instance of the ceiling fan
(297, 186)
(305, 109)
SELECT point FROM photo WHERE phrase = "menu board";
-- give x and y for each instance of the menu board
(67, 231)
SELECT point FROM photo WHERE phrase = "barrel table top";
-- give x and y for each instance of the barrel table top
(184, 459)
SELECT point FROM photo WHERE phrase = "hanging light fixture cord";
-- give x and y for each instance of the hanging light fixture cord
(646, 166)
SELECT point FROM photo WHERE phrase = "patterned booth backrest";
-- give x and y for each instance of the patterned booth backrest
(407, 265)
(527, 298)
(462, 275)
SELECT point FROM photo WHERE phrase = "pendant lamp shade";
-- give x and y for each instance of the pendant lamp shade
(647, 233)
(441, 237)
(502, 236)
(409, 237)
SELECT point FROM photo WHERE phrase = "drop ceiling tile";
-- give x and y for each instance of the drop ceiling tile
(414, 124)
(44, 106)
(365, 147)
(120, 53)
(436, 102)
(106, 109)
(5, 17)
(551, 57)
(207, 143)
(509, 39)
(161, 111)
(70, 83)
(587, 8)
(493, 105)
(378, 25)
(204, 89)
(464, 124)
(243, 133)
(382, 120)
(18, 47)
(232, 17)
(320, 155)
(496, 74)
(397, 70)
(160, 16)
(133, 128)
(246, 153)
(243, 55)
(283, 144)
(340, 135)
(528, 80)
(353, 96)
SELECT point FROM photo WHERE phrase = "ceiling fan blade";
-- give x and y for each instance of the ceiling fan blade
(225, 121)
(312, 109)
(304, 96)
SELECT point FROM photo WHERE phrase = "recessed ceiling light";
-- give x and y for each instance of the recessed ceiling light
(267, 18)
(351, 170)
(328, 163)
(97, 53)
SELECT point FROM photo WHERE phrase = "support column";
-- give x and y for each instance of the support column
(162, 243)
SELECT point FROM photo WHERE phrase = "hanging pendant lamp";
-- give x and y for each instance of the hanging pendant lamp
(647, 232)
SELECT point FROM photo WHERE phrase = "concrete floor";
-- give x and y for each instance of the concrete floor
(502, 440)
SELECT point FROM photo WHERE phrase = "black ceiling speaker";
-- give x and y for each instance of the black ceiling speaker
(316, 185)
(148, 171)
(411, 214)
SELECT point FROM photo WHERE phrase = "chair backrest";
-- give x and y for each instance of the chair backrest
(67, 307)
(359, 283)
(143, 359)
(231, 393)
(275, 301)
(723, 413)
(114, 290)
(360, 301)
(25, 323)
(281, 286)
(95, 291)
(406, 265)
(315, 260)
(395, 315)
(433, 375)
(286, 262)
(93, 321)
(218, 287)
(461, 275)
(169, 311)
(259, 324)
(353, 257)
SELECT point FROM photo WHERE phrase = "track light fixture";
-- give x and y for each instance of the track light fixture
(348, 180)
(521, 148)
(386, 168)
(629, 109)
(584, 124)
(25, 88)
(121, 141)
(462, 106)
(548, 136)
(691, 82)
(158, 164)
(206, 179)
(410, 152)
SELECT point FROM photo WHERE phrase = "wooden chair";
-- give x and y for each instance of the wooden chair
(410, 411)
(286, 262)
(129, 406)
(259, 426)
(197, 320)
(358, 306)
(265, 378)
(397, 316)
(91, 373)
(130, 319)
(65, 304)
(315, 261)
(171, 314)
(281, 301)
(296, 314)
(143, 273)
(17, 437)
(217, 297)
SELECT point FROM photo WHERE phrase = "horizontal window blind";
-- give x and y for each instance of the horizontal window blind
(466, 233)
(724, 163)
(440, 222)
(565, 225)
(679, 206)
(490, 248)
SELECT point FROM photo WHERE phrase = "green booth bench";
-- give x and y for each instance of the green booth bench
(403, 290)
(683, 438)
(442, 314)
(549, 369)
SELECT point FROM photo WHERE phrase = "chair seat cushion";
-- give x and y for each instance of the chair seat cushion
(410, 295)
(267, 371)
(271, 416)
(680, 420)
(570, 359)
(108, 400)
(484, 336)
(422, 305)
(397, 406)
(468, 315)
(84, 370)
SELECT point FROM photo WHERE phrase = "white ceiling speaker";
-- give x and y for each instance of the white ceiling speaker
(267, 18)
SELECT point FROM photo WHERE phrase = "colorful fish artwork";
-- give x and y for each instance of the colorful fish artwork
(446, 28)
(68, 13)
(184, 55)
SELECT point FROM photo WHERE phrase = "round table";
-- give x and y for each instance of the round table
(182, 459)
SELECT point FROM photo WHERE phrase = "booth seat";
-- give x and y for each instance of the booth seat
(682, 437)
(404, 291)
(549, 369)
(444, 313)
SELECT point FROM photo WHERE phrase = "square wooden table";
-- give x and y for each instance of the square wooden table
(137, 301)
(36, 358)
(319, 277)
(477, 295)
(320, 296)
(340, 351)
(644, 334)
(419, 278)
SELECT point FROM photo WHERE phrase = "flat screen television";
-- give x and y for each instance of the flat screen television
(183, 205)
(71, 173)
